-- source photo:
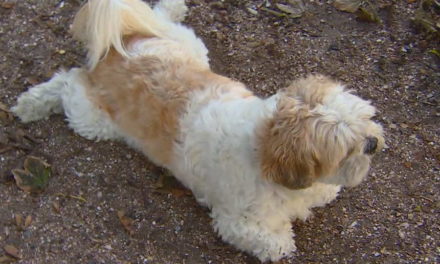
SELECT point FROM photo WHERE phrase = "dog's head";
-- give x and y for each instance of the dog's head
(318, 132)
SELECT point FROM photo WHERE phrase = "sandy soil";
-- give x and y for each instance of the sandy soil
(393, 217)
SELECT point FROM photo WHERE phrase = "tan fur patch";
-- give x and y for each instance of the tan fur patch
(145, 97)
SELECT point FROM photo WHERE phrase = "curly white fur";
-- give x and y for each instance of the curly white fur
(222, 141)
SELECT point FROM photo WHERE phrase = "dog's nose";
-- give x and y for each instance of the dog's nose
(370, 145)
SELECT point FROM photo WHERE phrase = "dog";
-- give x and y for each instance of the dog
(256, 163)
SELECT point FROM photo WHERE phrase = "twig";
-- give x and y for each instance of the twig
(426, 198)
(273, 12)
(428, 103)
(6, 149)
(80, 198)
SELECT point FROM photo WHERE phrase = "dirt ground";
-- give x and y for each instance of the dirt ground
(393, 217)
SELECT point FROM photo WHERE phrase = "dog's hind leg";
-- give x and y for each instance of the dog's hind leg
(41, 100)
(66, 91)
(173, 10)
(83, 115)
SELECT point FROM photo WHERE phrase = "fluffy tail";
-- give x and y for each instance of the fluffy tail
(102, 24)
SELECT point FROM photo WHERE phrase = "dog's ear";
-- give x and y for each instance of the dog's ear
(286, 155)
(291, 174)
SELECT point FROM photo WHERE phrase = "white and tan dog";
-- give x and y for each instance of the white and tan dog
(256, 163)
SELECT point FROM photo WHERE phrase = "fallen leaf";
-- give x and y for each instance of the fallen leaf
(126, 222)
(56, 207)
(407, 164)
(6, 260)
(28, 221)
(436, 52)
(252, 11)
(12, 251)
(427, 18)
(364, 9)
(5, 115)
(18, 220)
(368, 13)
(418, 208)
(347, 5)
(295, 8)
(178, 192)
(3, 107)
(35, 176)
(7, 5)
(169, 184)
(32, 80)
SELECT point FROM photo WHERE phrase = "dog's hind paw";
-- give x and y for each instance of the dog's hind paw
(29, 108)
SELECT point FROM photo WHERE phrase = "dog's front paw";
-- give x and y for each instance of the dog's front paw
(267, 239)
(276, 250)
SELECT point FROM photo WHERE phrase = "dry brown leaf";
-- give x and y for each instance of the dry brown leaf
(5, 115)
(3, 107)
(18, 220)
(7, 5)
(368, 13)
(178, 192)
(56, 207)
(12, 251)
(407, 164)
(126, 222)
(168, 184)
(427, 17)
(6, 260)
(347, 5)
(295, 8)
(32, 80)
(28, 221)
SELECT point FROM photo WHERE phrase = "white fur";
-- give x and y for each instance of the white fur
(216, 154)
(218, 161)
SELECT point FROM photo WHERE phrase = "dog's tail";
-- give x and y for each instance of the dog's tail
(102, 24)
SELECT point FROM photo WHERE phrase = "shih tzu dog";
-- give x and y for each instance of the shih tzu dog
(257, 163)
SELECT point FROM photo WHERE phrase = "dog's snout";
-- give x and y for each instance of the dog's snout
(370, 145)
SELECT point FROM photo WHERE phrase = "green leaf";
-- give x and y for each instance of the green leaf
(35, 176)
(436, 52)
